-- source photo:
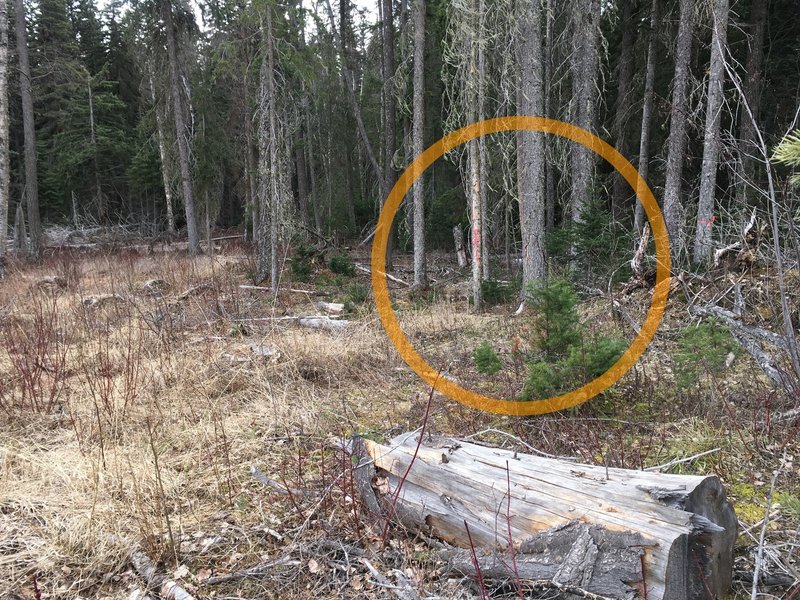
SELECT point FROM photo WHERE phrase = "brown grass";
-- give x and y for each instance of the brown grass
(151, 410)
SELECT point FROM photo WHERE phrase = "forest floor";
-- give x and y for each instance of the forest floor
(139, 390)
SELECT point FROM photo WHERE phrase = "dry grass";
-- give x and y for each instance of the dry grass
(136, 421)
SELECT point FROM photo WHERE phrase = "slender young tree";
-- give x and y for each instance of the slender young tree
(530, 145)
(647, 111)
(29, 133)
(418, 129)
(162, 154)
(676, 144)
(711, 141)
(4, 131)
(180, 126)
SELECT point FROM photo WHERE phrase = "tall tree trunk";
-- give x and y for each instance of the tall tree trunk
(585, 37)
(4, 166)
(621, 190)
(549, 169)
(162, 155)
(531, 146)
(676, 144)
(268, 168)
(752, 95)
(100, 198)
(349, 83)
(711, 141)
(647, 111)
(31, 176)
(302, 171)
(389, 111)
(312, 187)
(482, 158)
(473, 166)
(180, 128)
(418, 130)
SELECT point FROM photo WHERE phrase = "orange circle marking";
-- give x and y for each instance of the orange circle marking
(431, 375)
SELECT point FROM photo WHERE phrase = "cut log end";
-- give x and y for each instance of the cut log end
(613, 533)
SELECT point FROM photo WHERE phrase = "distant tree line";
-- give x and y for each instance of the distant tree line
(294, 118)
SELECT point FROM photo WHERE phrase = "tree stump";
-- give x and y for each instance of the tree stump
(582, 529)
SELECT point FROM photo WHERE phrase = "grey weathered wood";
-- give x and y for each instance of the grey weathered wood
(680, 528)
(363, 481)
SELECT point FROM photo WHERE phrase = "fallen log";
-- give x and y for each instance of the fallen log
(333, 308)
(611, 533)
(364, 269)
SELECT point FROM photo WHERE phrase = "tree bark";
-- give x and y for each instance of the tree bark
(531, 146)
(752, 93)
(418, 130)
(268, 168)
(647, 111)
(473, 168)
(4, 144)
(621, 190)
(389, 112)
(676, 144)
(482, 158)
(585, 37)
(711, 141)
(180, 129)
(312, 187)
(549, 168)
(29, 133)
(302, 172)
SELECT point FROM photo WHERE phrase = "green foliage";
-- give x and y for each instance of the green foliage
(557, 243)
(598, 357)
(356, 294)
(499, 292)
(486, 359)
(790, 504)
(583, 364)
(565, 358)
(447, 209)
(597, 244)
(556, 320)
(543, 380)
(788, 153)
(702, 348)
(302, 262)
(341, 264)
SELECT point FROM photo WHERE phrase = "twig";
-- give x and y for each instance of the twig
(678, 461)
(519, 441)
(388, 276)
(475, 563)
(147, 571)
(404, 592)
(760, 553)
(261, 570)
(256, 473)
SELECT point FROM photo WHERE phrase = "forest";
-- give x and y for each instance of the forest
(399, 299)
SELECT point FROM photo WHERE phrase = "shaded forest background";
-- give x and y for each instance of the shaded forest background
(104, 105)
